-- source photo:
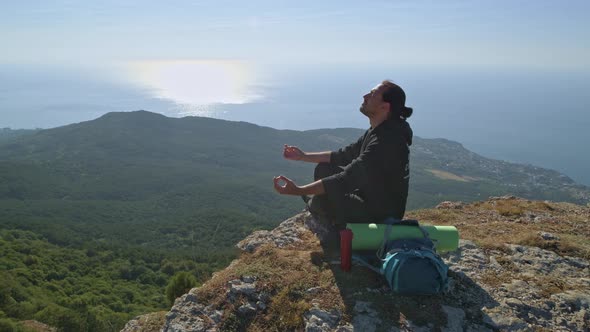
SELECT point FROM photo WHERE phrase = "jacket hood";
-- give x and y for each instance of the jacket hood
(407, 132)
(401, 125)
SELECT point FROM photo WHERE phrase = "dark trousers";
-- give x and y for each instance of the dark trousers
(340, 207)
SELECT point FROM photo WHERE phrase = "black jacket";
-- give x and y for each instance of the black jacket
(376, 168)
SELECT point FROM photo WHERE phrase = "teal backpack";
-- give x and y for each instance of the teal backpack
(410, 266)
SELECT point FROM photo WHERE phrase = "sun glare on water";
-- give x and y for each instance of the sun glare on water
(196, 85)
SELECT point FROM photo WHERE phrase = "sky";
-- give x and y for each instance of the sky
(506, 78)
(536, 34)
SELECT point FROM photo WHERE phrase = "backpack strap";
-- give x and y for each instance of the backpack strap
(406, 222)
(393, 221)
(363, 261)
(441, 267)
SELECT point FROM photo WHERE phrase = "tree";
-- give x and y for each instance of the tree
(181, 283)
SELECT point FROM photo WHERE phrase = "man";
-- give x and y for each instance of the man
(368, 180)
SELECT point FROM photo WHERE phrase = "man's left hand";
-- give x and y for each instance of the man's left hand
(289, 188)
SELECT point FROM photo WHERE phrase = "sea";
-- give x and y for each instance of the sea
(535, 116)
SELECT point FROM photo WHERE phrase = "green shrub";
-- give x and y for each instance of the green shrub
(63, 318)
(7, 325)
(181, 283)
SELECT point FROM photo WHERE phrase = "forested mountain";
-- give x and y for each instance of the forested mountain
(139, 196)
(7, 133)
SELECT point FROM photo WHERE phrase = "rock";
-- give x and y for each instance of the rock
(365, 318)
(248, 279)
(537, 261)
(505, 197)
(494, 263)
(317, 319)
(548, 236)
(244, 288)
(365, 323)
(37, 326)
(345, 328)
(512, 302)
(572, 299)
(320, 228)
(469, 259)
(316, 324)
(313, 290)
(190, 297)
(415, 328)
(261, 305)
(287, 233)
(477, 328)
(264, 297)
(189, 315)
(194, 324)
(216, 316)
(450, 205)
(247, 309)
(455, 319)
(519, 295)
(364, 307)
(505, 321)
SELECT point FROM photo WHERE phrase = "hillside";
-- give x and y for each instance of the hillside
(141, 155)
(8, 134)
(521, 266)
(140, 197)
(198, 183)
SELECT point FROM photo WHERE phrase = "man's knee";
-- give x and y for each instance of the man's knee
(323, 170)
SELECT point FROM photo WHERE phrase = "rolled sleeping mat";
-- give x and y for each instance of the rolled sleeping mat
(370, 236)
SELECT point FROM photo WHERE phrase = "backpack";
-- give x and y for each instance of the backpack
(410, 266)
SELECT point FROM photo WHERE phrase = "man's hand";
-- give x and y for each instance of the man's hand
(288, 189)
(292, 152)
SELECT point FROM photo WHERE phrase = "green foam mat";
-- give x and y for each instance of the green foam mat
(370, 236)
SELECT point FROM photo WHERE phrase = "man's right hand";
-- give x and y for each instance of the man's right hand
(292, 152)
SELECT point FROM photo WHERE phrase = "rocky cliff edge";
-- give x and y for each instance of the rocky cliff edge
(521, 266)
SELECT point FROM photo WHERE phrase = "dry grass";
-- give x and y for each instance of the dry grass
(153, 322)
(35, 326)
(552, 285)
(493, 246)
(288, 307)
(517, 221)
(540, 205)
(506, 208)
(496, 279)
(560, 247)
(546, 284)
(506, 263)
(284, 274)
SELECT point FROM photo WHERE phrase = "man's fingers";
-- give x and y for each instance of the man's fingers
(279, 178)
(277, 186)
(284, 178)
(282, 189)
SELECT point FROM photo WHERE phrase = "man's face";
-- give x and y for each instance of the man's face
(373, 102)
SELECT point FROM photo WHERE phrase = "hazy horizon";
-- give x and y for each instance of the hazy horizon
(528, 117)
